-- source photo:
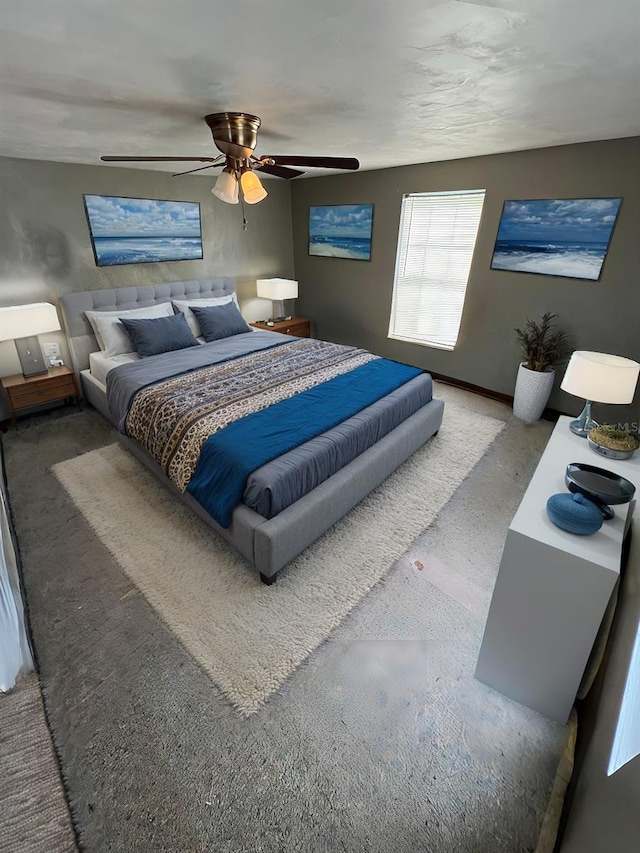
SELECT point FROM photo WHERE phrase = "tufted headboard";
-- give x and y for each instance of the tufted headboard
(82, 341)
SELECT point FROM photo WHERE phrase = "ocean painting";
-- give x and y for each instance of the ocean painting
(143, 230)
(341, 231)
(564, 237)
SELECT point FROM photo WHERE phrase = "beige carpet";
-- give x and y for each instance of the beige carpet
(248, 637)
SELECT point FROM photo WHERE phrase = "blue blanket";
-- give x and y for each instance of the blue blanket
(231, 454)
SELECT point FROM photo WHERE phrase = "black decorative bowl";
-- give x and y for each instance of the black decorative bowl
(598, 485)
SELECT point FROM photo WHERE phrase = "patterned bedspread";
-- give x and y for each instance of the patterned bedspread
(173, 418)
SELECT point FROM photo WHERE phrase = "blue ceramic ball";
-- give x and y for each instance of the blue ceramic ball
(574, 513)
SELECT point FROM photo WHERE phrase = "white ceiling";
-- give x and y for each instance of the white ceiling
(388, 81)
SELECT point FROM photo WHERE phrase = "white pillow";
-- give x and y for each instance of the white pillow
(110, 334)
(184, 305)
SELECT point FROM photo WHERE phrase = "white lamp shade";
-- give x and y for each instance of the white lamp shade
(226, 188)
(22, 321)
(252, 189)
(601, 378)
(277, 288)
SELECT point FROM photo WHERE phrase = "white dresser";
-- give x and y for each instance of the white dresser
(552, 587)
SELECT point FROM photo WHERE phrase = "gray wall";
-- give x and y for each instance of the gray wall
(349, 301)
(603, 811)
(45, 249)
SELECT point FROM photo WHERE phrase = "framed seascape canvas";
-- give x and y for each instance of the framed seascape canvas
(341, 231)
(563, 237)
(142, 230)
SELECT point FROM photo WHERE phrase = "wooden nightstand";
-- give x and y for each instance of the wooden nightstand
(58, 383)
(297, 326)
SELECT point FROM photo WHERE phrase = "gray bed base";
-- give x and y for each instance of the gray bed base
(268, 544)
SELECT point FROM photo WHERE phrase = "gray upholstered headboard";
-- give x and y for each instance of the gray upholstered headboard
(82, 341)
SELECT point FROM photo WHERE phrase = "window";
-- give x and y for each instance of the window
(435, 246)
(626, 743)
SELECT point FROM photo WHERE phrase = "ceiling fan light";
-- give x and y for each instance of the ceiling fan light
(252, 189)
(226, 188)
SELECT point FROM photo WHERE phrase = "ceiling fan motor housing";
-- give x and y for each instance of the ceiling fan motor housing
(235, 134)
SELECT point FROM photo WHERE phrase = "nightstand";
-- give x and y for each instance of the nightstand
(58, 383)
(297, 326)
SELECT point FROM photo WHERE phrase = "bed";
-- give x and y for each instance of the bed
(289, 500)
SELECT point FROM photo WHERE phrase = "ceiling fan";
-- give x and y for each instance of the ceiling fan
(236, 135)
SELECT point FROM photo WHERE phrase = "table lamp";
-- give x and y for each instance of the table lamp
(277, 289)
(22, 324)
(598, 378)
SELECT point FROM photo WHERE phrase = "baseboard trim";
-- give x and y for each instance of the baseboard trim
(548, 414)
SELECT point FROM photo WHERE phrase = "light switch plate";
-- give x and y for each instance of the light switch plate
(51, 350)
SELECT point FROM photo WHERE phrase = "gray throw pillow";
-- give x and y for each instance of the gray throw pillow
(220, 321)
(164, 334)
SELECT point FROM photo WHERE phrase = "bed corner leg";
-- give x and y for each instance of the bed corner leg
(268, 579)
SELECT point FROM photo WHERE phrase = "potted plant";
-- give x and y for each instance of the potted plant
(612, 442)
(542, 345)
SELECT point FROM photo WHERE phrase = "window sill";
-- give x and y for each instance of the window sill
(421, 343)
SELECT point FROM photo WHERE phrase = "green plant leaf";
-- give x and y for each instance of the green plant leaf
(542, 344)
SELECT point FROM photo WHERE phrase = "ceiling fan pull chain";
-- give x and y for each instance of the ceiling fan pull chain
(244, 218)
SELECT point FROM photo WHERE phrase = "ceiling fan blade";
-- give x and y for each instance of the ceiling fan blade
(157, 159)
(320, 162)
(199, 169)
(281, 171)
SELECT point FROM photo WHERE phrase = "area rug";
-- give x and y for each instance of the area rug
(248, 637)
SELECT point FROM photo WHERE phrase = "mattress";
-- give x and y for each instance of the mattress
(282, 481)
(100, 364)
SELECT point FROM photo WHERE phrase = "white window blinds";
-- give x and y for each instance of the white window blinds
(435, 246)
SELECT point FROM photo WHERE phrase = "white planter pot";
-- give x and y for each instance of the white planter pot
(533, 388)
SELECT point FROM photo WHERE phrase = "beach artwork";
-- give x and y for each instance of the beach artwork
(143, 230)
(341, 231)
(563, 237)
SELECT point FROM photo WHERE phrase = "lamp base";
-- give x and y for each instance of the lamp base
(584, 423)
(30, 355)
(277, 306)
(279, 313)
